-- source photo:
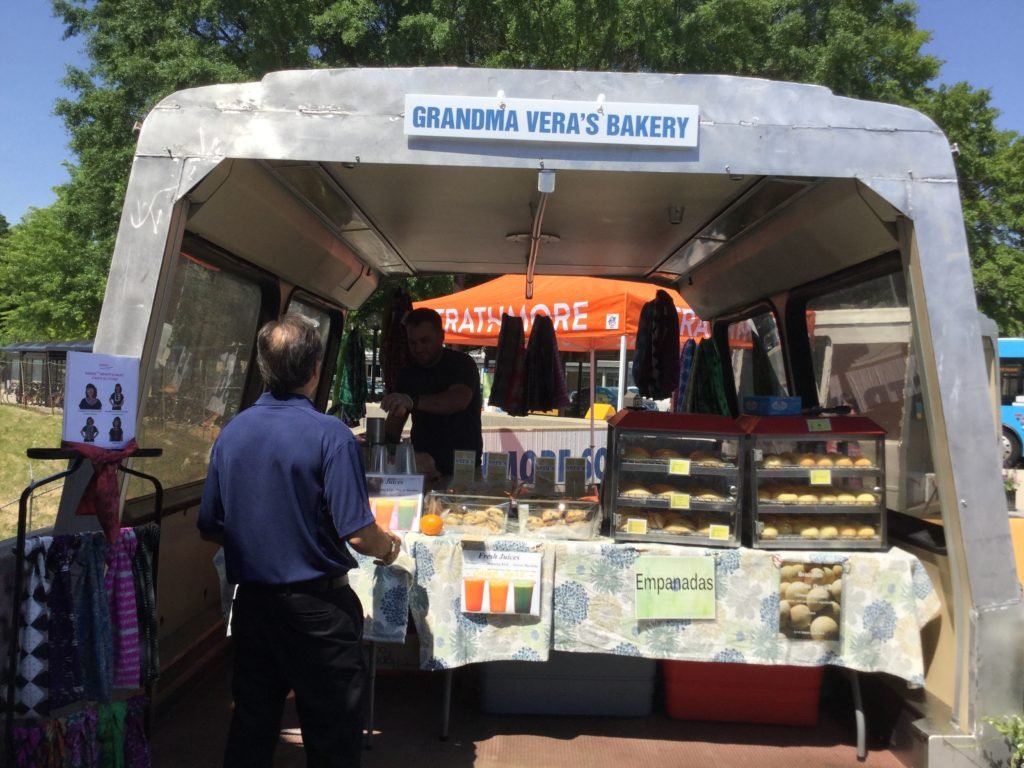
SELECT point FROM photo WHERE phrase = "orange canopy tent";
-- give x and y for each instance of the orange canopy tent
(589, 313)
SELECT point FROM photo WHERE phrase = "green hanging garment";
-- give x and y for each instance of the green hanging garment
(709, 392)
(352, 389)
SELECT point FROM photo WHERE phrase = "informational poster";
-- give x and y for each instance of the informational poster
(675, 587)
(100, 400)
(396, 500)
(500, 582)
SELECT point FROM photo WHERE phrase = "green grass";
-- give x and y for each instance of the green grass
(20, 429)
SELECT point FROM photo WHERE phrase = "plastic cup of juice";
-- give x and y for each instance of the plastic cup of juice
(406, 513)
(522, 592)
(498, 594)
(474, 593)
(382, 511)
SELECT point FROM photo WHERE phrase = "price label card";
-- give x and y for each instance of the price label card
(636, 525)
(679, 467)
(495, 468)
(821, 477)
(680, 501)
(819, 425)
(719, 532)
(544, 472)
(464, 471)
(575, 476)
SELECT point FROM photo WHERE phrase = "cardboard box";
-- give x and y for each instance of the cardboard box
(742, 693)
(763, 405)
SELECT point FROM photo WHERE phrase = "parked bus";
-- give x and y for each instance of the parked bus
(764, 204)
(1011, 392)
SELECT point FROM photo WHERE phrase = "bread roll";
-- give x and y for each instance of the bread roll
(847, 532)
(769, 532)
(866, 532)
(786, 497)
(846, 498)
(807, 498)
(824, 461)
(862, 461)
(844, 461)
(772, 461)
(800, 616)
(829, 532)
(824, 628)
(636, 492)
(635, 452)
(807, 460)
(809, 532)
(665, 453)
(866, 498)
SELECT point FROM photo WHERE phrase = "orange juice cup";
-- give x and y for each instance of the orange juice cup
(474, 594)
(383, 510)
(498, 594)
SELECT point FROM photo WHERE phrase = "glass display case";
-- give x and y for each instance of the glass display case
(673, 478)
(816, 483)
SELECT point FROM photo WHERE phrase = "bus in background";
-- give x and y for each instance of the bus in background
(1011, 391)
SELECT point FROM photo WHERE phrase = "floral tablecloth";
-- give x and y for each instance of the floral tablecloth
(587, 606)
(450, 638)
(384, 593)
(887, 598)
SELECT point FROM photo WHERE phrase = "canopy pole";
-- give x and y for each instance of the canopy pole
(622, 373)
(593, 390)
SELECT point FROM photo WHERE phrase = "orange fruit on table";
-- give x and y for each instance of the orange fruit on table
(431, 525)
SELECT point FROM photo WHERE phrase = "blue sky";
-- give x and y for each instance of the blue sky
(979, 40)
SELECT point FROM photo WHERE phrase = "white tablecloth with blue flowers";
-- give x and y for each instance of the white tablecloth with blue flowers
(450, 638)
(587, 606)
(887, 599)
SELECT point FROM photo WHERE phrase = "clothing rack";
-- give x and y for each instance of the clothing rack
(76, 459)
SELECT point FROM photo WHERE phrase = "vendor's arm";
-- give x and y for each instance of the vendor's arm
(373, 541)
(452, 400)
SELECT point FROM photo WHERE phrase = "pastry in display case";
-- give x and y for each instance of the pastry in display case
(816, 482)
(554, 516)
(674, 478)
(480, 515)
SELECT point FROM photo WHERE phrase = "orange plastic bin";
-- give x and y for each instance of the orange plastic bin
(742, 693)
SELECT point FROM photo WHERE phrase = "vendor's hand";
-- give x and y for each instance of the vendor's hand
(394, 552)
(397, 403)
(425, 465)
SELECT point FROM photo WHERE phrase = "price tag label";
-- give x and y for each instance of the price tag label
(821, 477)
(544, 472)
(679, 467)
(636, 525)
(680, 501)
(819, 425)
(464, 470)
(719, 533)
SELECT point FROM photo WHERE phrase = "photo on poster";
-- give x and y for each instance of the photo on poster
(102, 393)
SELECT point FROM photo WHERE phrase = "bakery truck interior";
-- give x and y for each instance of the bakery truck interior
(763, 203)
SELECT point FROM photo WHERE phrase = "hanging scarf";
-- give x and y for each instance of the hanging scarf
(110, 735)
(148, 539)
(102, 496)
(65, 662)
(685, 372)
(709, 394)
(32, 679)
(136, 746)
(124, 611)
(94, 637)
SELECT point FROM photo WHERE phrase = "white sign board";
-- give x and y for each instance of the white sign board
(548, 120)
(100, 397)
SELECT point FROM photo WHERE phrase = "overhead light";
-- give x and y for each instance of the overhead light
(524, 237)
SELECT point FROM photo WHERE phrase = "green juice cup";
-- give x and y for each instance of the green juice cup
(522, 592)
(406, 514)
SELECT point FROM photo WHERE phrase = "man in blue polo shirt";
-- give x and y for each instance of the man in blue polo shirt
(285, 490)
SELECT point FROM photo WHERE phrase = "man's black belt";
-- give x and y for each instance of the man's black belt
(321, 584)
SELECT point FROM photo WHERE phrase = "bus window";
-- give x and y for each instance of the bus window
(317, 314)
(199, 370)
(1011, 393)
(756, 355)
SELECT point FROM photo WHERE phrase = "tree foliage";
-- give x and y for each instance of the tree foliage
(143, 50)
(53, 287)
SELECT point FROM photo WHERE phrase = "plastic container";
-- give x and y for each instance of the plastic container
(592, 684)
(742, 693)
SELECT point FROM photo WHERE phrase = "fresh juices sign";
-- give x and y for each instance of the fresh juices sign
(675, 587)
(501, 582)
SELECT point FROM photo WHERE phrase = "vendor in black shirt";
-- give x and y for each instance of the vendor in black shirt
(441, 390)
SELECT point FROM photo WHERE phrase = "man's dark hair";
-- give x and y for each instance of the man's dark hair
(287, 351)
(423, 316)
